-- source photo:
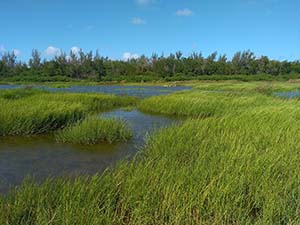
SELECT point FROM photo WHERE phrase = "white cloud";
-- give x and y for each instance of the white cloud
(184, 12)
(2, 49)
(138, 21)
(52, 51)
(144, 2)
(128, 56)
(17, 52)
(135, 56)
(75, 49)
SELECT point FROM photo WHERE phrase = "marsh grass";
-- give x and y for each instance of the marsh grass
(202, 104)
(235, 161)
(59, 85)
(94, 130)
(252, 87)
(93, 102)
(231, 170)
(15, 94)
(27, 112)
(35, 117)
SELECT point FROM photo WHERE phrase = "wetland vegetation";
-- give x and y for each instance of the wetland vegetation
(234, 158)
(28, 112)
(93, 130)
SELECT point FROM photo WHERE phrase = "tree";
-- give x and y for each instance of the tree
(35, 61)
(81, 65)
(99, 66)
(210, 65)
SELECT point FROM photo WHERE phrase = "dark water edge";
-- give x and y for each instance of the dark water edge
(41, 157)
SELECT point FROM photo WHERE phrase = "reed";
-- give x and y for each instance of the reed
(94, 130)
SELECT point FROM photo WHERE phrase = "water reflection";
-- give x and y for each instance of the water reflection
(291, 94)
(136, 91)
(41, 157)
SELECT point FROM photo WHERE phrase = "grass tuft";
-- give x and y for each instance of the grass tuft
(28, 112)
(94, 130)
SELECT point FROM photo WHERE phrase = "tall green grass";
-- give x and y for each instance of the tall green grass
(14, 94)
(258, 87)
(93, 130)
(205, 103)
(236, 162)
(35, 116)
(27, 112)
(231, 170)
(92, 102)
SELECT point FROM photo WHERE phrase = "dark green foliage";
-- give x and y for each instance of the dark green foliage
(80, 65)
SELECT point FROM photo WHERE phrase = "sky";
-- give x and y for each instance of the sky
(122, 29)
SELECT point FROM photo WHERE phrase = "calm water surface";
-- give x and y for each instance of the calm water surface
(290, 94)
(137, 91)
(41, 157)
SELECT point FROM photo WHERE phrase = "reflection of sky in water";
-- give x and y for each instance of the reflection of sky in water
(140, 123)
(137, 91)
(41, 157)
(291, 94)
(8, 86)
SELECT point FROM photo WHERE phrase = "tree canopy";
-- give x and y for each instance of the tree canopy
(81, 65)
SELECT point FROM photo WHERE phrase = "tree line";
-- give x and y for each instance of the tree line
(92, 66)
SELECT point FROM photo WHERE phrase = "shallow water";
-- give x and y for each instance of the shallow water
(41, 157)
(291, 94)
(8, 86)
(136, 91)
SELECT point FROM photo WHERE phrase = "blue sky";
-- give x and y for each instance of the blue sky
(129, 28)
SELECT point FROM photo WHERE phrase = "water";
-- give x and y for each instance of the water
(41, 157)
(289, 95)
(137, 91)
(8, 86)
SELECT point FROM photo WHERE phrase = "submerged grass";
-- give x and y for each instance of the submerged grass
(93, 130)
(238, 165)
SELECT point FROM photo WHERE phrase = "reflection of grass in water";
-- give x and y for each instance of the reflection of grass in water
(93, 130)
(239, 166)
